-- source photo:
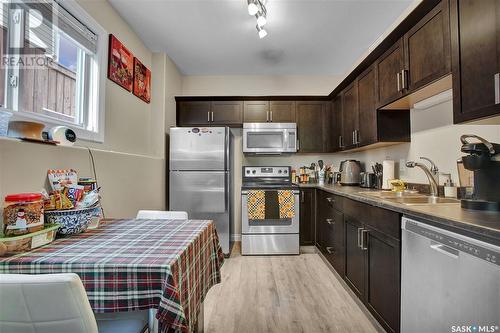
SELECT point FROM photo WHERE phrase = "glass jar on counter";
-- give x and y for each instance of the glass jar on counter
(22, 213)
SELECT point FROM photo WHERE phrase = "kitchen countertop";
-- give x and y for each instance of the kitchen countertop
(477, 224)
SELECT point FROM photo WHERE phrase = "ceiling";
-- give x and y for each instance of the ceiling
(218, 37)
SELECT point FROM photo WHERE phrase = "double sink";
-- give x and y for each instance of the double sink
(410, 198)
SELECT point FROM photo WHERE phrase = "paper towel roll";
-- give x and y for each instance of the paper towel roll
(387, 173)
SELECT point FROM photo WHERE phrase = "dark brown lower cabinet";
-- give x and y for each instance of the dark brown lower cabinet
(372, 260)
(354, 257)
(307, 216)
(383, 274)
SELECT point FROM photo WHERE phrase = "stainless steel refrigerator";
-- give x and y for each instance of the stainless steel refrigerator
(200, 176)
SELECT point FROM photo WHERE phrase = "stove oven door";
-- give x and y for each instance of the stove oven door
(269, 226)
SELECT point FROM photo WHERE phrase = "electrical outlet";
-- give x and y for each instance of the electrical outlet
(402, 166)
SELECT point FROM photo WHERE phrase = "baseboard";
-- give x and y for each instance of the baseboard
(236, 237)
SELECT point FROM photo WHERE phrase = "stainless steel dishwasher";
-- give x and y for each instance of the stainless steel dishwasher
(449, 282)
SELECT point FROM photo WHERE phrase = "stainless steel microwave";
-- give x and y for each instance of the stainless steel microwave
(269, 138)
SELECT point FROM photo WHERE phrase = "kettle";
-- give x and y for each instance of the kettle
(350, 171)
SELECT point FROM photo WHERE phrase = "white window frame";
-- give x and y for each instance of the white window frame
(95, 124)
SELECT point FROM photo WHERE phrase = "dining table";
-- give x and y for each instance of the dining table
(136, 264)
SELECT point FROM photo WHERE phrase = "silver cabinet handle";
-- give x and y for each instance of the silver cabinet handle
(404, 79)
(329, 249)
(497, 88)
(298, 144)
(363, 239)
(267, 116)
(302, 196)
(330, 221)
(212, 116)
(340, 141)
(330, 200)
(354, 137)
(359, 238)
(271, 117)
(208, 116)
(398, 79)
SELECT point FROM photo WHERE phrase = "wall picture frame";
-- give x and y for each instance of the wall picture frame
(120, 64)
(142, 81)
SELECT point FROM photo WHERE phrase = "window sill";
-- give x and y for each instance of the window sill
(81, 133)
(79, 147)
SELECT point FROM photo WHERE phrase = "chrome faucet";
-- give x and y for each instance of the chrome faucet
(431, 173)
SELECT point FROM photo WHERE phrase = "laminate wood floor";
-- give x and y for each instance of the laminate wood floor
(281, 294)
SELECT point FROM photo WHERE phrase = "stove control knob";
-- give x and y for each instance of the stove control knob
(248, 171)
(279, 171)
(253, 171)
(285, 171)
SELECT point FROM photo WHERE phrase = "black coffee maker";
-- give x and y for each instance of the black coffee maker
(483, 158)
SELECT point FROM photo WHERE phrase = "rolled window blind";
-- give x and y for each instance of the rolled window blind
(50, 15)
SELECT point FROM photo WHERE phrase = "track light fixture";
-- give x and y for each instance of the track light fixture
(258, 9)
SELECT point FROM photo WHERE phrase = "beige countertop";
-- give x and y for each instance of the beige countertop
(478, 224)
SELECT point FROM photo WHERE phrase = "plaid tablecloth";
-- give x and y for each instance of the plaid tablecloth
(130, 265)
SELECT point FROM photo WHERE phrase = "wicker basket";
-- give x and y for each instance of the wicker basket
(28, 242)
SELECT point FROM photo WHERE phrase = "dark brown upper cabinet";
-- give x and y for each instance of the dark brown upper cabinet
(390, 67)
(367, 100)
(427, 49)
(193, 113)
(333, 126)
(256, 112)
(475, 36)
(282, 111)
(226, 113)
(350, 115)
(310, 125)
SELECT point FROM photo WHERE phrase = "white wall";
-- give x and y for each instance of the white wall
(130, 164)
(258, 85)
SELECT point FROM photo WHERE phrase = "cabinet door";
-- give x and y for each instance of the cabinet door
(282, 112)
(310, 118)
(307, 217)
(427, 48)
(227, 112)
(256, 111)
(476, 58)
(333, 125)
(354, 257)
(350, 114)
(367, 131)
(334, 240)
(193, 113)
(383, 278)
(389, 67)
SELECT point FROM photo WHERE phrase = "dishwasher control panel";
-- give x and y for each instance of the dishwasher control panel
(456, 242)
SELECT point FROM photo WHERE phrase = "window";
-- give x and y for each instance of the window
(53, 65)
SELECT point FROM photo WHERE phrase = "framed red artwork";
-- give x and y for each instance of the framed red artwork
(142, 81)
(120, 64)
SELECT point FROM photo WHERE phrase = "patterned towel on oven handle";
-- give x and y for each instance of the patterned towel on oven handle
(256, 204)
(286, 203)
(257, 209)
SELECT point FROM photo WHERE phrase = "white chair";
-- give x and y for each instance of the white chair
(159, 215)
(46, 303)
(162, 215)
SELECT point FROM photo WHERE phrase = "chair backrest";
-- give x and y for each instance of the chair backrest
(45, 303)
(162, 215)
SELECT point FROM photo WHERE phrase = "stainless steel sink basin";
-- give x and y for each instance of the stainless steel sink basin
(424, 200)
(389, 195)
(409, 198)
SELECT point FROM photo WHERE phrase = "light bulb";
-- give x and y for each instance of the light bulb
(252, 7)
(261, 19)
(262, 33)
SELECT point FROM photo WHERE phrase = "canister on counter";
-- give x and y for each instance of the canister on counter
(22, 213)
